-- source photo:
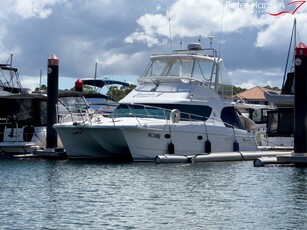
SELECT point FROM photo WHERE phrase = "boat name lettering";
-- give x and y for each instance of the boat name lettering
(78, 131)
(146, 95)
(154, 135)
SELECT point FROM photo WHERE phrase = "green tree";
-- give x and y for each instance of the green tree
(41, 88)
(86, 89)
(237, 90)
(269, 87)
(117, 94)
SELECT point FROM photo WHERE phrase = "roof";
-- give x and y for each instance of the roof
(256, 93)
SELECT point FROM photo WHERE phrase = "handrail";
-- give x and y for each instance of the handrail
(91, 117)
(166, 115)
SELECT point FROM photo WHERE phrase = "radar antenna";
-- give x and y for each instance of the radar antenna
(210, 37)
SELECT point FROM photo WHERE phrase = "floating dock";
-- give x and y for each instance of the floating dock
(52, 153)
(217, 157)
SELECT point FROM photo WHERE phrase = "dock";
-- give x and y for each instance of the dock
(218, 157)
(51, 154)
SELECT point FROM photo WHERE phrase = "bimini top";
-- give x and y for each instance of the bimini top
(191, 66)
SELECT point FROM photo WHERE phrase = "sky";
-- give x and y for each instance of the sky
(121, 35)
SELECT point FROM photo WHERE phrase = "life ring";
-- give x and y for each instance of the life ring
(175, 116)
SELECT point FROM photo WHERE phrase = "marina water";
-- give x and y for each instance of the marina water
(47, 194)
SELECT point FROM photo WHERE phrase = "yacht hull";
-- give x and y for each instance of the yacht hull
(91, 142)
(144, 142)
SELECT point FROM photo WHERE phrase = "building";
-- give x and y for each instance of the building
(254, 95)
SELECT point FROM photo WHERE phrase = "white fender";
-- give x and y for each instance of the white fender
(175, 116)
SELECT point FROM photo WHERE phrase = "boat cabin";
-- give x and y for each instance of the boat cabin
(23, 113)
(190, 66)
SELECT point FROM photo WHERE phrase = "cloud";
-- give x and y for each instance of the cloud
(248, 78)
(34, 8)
(121, 35)
(278, 33)
(151, 30)
(191, 19)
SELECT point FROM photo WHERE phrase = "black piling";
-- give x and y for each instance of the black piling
(52, 100)
(300, 99)
(299, 155)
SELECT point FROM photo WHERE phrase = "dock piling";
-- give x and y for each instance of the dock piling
(52, 100)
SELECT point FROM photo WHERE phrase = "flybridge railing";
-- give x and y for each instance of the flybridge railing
(196, 49)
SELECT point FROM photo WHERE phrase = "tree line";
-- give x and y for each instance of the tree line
(117, 93)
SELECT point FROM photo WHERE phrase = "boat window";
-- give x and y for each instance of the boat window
(73, 104)
(180, 68)
(20, 111)
(156, 68)
(259, 116)
(185, 68)
(43, 112)
(203, 71)
(225, 88)
(200, 69)
(231, 118)
(281, 122)
(187, 112)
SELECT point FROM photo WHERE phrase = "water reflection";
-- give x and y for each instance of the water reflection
(78, 194)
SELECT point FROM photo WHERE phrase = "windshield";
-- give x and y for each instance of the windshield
(72, 104)
(200, 69)
(204, 70)
(187, 112)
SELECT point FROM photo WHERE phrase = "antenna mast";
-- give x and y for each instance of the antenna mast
(210, 37)
(40, 78)
(170, 30)
(95, 75)
(221, 30)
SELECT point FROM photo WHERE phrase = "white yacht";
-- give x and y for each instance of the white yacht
(181, 105)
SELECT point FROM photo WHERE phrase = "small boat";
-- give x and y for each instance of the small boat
(253, 116)
(181, 106)
(280, 122)
(9, 79)
(23, 120)
(280, 99)
(280, 125)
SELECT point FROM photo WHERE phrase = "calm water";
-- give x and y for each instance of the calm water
(42, 194)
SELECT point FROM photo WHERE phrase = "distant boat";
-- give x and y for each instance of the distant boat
(99, 101)
(23, 120)
(9, 79)
(256, 114)
(280, 125)
(280, 99)
(280, 121)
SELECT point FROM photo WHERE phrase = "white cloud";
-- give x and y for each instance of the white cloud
(248, 78)
(34, 8)
(122, 35)
(278, 32)
(191, 19)
(115, 64)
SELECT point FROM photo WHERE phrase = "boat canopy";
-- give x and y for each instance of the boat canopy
(189, 68)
